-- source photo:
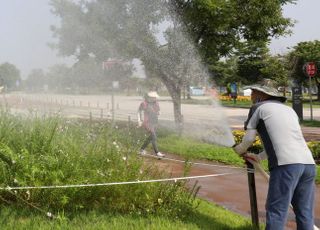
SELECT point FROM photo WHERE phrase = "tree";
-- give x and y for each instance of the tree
(225, 71)
(36, 80)
(276, 69)
(218, 28)
(302, 53)
(60, 78)
(252, 56)
(127, 29)
(9, 75)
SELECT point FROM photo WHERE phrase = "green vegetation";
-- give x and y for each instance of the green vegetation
(192, 149)
(207, 216)
(39, 151)
(309, 123)
(240, 104)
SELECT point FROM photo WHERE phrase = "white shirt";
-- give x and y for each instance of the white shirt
(279, 129)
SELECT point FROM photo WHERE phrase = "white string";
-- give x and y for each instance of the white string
(175, 179)
(198, 163)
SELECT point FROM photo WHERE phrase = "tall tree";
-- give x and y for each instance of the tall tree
(302, 53)
(218, 27)
(276, 69)
(36, 80)
(9, 75)
(128, 29)
(60, 78)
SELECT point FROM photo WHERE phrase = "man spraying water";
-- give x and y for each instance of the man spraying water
(291, 165)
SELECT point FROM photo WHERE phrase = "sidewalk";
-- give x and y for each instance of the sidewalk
(229, 191)
(311, 133)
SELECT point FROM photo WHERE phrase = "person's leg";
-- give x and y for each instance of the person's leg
(153, 136)
(303, 199)
(283, 180)
(146, 142)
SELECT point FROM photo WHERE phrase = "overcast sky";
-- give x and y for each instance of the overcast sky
(25, 32)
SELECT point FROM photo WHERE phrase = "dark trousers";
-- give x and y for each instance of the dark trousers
(153, 139)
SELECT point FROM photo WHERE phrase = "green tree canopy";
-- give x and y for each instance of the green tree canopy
(9, 75)
(302, 53)
(127, 29)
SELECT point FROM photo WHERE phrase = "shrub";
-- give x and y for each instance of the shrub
(257, 146)
(314, 146)
(38, 152)
(239, 98)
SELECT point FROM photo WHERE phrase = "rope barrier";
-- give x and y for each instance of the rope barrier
(175, 179)
(198, 163)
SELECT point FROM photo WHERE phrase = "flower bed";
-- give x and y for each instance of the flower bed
(239, 98)
(257, 146)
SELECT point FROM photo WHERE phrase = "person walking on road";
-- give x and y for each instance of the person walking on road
(291, 165)
(149, 109)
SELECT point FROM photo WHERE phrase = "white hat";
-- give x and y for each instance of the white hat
(153, 94)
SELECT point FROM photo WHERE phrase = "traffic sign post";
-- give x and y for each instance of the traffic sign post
(310, 69)
(297, 101)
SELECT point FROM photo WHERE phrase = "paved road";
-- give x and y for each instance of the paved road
(97, 106)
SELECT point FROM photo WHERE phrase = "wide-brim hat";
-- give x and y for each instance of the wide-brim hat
(271, 91)
(153, 94)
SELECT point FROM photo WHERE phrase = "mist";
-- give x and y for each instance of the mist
(111, 55)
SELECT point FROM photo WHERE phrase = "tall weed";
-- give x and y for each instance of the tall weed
(51, 151)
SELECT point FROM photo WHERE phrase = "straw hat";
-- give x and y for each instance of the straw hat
(153, 94)
(266, 87)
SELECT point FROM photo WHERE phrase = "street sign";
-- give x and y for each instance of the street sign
(311, 69)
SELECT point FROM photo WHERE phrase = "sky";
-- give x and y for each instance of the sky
(25, 32)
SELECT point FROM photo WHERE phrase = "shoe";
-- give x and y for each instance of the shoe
(159, 154)
(142, 152)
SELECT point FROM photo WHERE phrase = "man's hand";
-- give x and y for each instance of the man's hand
(252, 157)
(239, 149)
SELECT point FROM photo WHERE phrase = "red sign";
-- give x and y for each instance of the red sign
(311, 69)
(111, 63)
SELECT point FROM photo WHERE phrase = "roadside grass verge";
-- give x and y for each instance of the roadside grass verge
(193, 149)
(206, 216)
(309, 123)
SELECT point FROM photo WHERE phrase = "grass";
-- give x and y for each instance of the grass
(309, 123)
(240, 104)
(192, 149)
(207, 216)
